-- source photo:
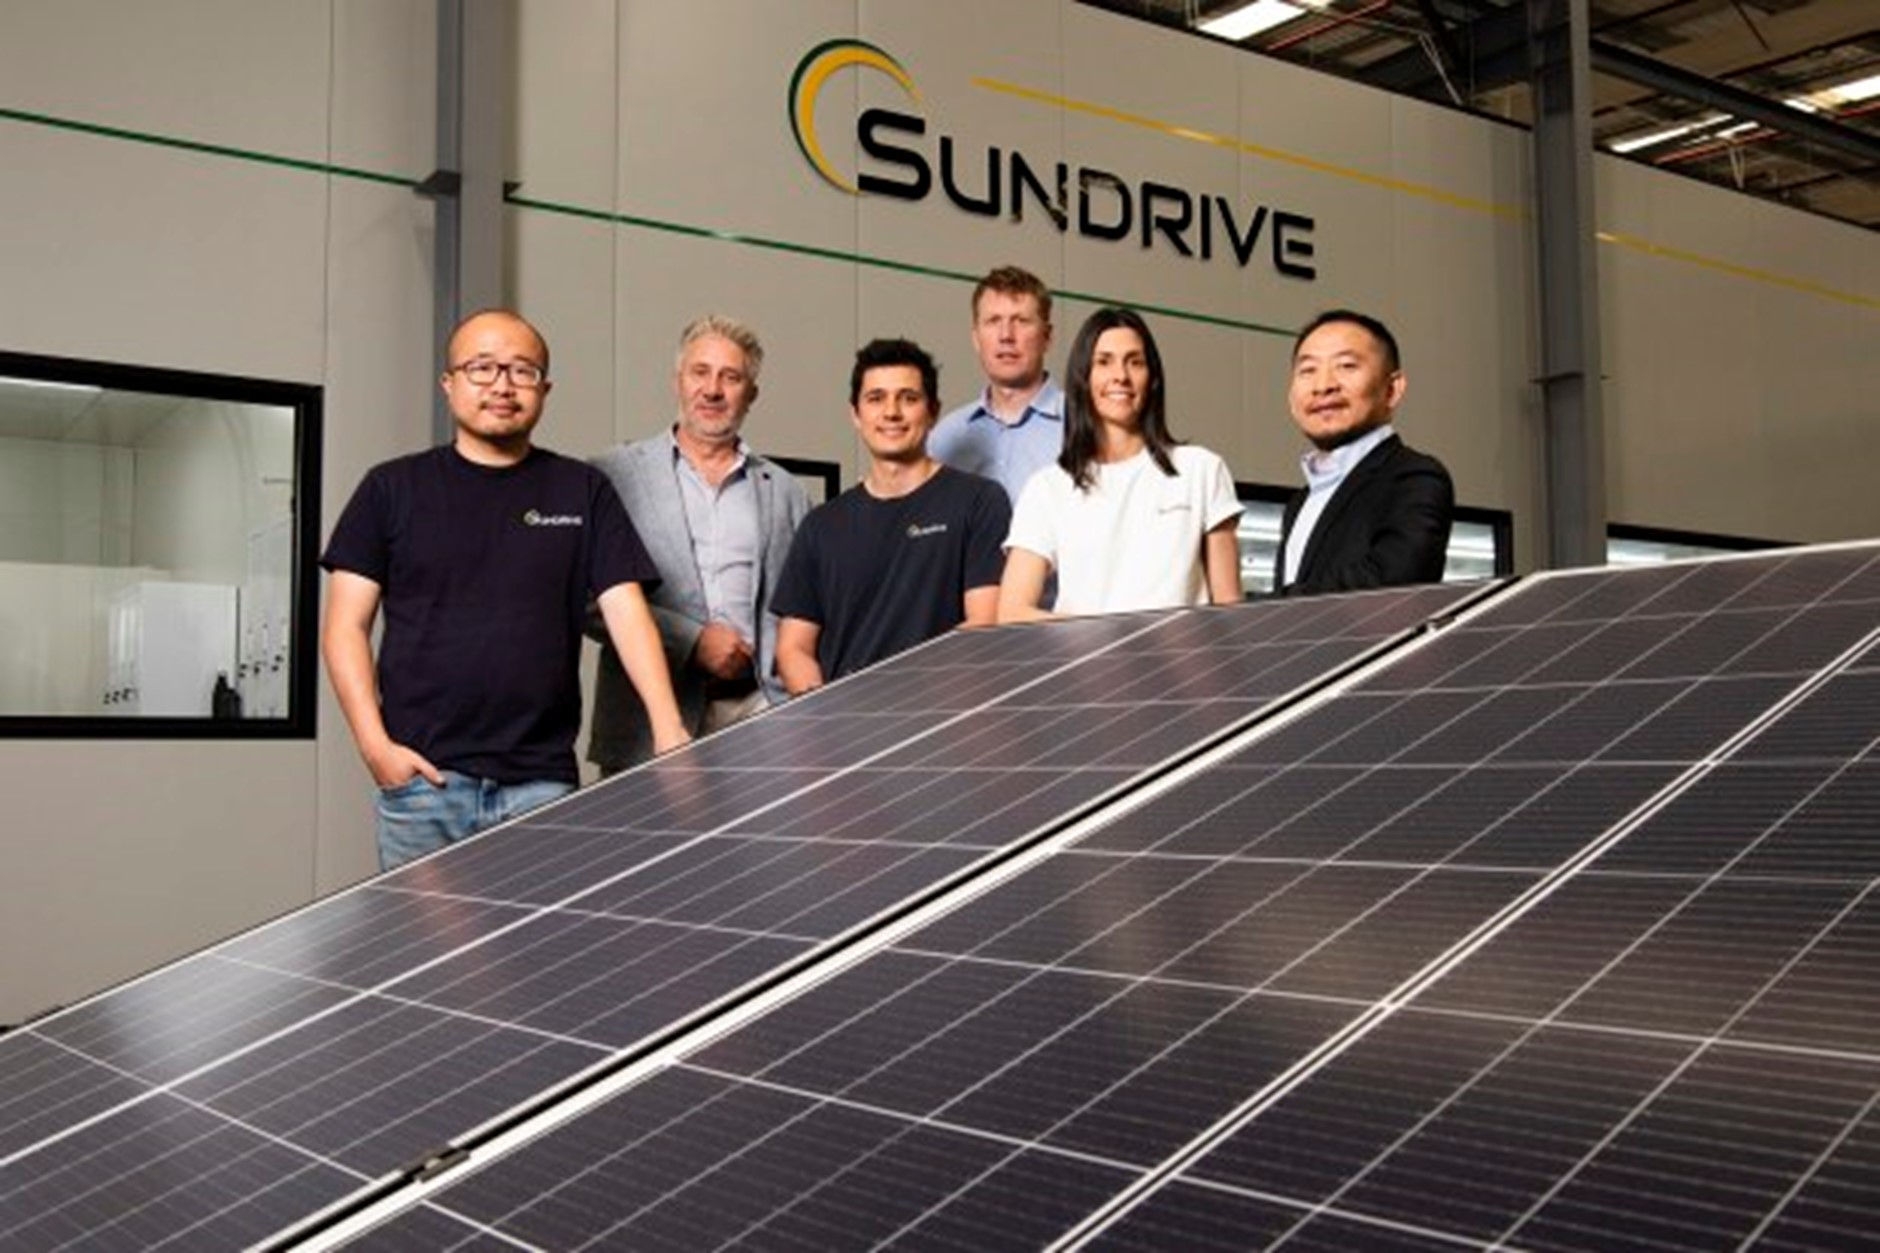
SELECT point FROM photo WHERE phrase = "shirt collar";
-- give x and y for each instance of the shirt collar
(1326, 469)
(1048, 402)
(678, 454)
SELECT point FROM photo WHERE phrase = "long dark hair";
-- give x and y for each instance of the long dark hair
(1079, 457)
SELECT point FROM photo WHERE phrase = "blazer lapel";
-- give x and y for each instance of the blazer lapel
(1287, 517)
(669, 539)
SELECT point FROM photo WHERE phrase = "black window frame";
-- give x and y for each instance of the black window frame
(1500, 522)
(828, 472)
(306, 400)
(1671, 537)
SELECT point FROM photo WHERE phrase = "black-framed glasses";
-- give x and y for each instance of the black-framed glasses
(483, 372)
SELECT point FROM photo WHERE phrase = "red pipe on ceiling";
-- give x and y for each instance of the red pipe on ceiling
(1320, 29)
(1712, 148)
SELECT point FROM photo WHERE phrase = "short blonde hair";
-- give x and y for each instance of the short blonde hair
(718, 326)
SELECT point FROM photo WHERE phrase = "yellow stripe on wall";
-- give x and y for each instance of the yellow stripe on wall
(1646, 246)
(1421, 190)
(1258, 150)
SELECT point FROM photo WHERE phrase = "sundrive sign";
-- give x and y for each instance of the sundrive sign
(902, 161)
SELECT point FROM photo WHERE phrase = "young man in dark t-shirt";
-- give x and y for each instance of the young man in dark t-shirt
(484, 554)
(911, 551)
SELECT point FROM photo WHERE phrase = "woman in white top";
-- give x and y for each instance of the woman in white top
(1128, 518)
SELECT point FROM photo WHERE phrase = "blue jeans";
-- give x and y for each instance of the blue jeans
(418, 817)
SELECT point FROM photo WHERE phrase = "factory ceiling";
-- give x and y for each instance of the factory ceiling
(1775, 98)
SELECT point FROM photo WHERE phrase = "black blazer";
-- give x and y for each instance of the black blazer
(1385, 525)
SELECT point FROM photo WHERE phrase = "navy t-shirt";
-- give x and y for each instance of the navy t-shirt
(880, 576)
(486, 575)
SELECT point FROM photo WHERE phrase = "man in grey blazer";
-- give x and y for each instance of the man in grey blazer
(717, 519)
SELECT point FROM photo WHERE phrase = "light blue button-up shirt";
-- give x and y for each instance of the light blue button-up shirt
(724, 526)
(1324, 472)
(972, 439)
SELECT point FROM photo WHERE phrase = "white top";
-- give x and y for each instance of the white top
(1133, 541)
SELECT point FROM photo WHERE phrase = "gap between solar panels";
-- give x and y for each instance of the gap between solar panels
(1444, 604)
(332, 1230)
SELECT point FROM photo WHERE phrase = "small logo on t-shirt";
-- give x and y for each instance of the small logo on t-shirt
(535, 517)
(916, 530)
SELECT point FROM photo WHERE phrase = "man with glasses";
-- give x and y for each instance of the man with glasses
(485, 554)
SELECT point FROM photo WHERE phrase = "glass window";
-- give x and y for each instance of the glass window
(155, 570)
(1648, 546)
(1480, 545)
(1259, 540)
(1481, 541)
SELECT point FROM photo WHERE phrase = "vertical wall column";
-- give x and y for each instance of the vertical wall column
(474, 71)
(1575, 431)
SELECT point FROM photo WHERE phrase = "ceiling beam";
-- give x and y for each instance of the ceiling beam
(1491, 52)
(1730, 48)
(1610, 58)
(1446, 46)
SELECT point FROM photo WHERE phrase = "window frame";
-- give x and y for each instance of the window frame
(306, 400)
(828, 473)
(1500, 522)
(1626, 532)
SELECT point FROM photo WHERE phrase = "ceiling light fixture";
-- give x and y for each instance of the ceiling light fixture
(1250, 19)
(1646, 141)
(1849, 93)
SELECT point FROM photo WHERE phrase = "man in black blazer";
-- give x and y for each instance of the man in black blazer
(1375, 512)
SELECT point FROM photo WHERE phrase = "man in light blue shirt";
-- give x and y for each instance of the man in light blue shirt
(1015, 427)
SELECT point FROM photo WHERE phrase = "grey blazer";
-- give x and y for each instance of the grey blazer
(642, 472)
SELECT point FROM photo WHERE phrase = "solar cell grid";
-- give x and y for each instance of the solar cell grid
(1438, 834)
(1703, 1162)
(1694, 941)
(1824, 999)
(362, 1034)
(917, 805)
(386, 1082)
(1833, 1205)
(1544, 1100)
(1318, 927)
(1139, 737)
(818, 1173)
(1820, 729)
(166, 1026)
(161, 1173)
(46, 1088)
(1197, 1217)
(778, 741)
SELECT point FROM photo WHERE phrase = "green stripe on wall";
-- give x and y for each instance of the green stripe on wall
(879, 263)
(598, 215)
(214, 150)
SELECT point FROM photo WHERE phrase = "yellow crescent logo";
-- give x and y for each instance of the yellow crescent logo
(806, 85)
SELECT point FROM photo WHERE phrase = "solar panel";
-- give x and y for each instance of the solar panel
(338, 1053)
(1547, 931)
